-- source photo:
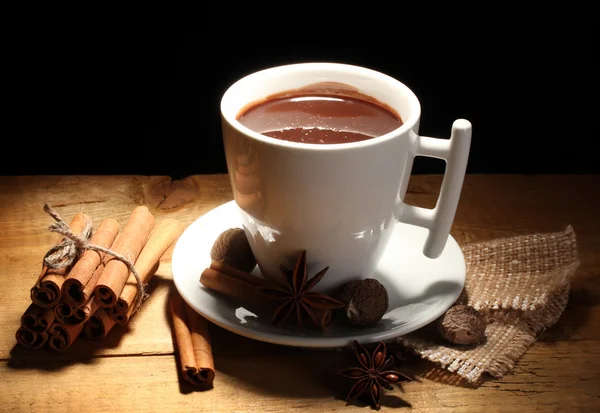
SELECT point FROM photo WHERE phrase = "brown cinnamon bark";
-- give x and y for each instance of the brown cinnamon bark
(98, 325)
(63, 313)
(192, 340)
(37, 319)
(236, 289)
(122, 317)
(79, 284)
(239, 274)
(129, 243)
(83, 313)
(164, 234)
(46, 292)
(240, 286)
(61, 336)
(30, 339)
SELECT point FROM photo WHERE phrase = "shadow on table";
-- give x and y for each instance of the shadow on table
(271, 369)
(584, 295)
(80, 352)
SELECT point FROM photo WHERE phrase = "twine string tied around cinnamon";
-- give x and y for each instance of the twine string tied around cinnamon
(72, 246)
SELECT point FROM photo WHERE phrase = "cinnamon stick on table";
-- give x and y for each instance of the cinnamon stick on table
(30, 339)
(61, 336)
(66, 313)
(129, 243)
(63, 313)
(46, 292)
(37, 319)
(98, 325)
(193, 343)
(126, 303)
(81, 280)
(84, 312)
(164, 234)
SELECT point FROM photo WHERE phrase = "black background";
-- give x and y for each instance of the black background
(147, 102)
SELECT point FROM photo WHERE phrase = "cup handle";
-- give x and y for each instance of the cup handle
(438, 220)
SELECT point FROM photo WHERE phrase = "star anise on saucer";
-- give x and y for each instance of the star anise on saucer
(373, 373)
(294, 295)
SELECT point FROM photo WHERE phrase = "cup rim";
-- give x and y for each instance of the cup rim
(407, 124)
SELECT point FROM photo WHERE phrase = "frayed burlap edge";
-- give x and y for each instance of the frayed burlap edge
(522, 285)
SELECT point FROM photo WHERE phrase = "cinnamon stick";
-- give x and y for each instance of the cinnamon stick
(30, 339)
(61, 336)
(164, 234)
(63, 313)
(84, 312)
(240, 286)
(98, 325)
(46, 292)
(66, 314)
(237, 273)
(193, 343)
(122, 317)
(235, 288)
(37, 319)
(81, 281)
(129, 243)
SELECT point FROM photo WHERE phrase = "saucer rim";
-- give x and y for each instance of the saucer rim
(309, 341)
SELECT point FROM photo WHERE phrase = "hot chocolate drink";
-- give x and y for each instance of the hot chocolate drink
(320, 116)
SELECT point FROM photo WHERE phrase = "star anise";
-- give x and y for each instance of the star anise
(294, 296)
(372, 373)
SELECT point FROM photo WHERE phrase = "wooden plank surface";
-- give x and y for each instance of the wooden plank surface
(134, 368)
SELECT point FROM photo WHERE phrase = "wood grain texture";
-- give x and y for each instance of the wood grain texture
(134, 367)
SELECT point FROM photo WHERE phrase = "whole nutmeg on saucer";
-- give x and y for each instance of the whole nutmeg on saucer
(462, 324)
(365, 301)
(231, 247)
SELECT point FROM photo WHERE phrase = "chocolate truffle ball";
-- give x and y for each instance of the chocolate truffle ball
(365, 301)
(462, 324)
(231, 247)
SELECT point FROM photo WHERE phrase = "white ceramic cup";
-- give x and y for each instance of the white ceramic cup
(339, 202)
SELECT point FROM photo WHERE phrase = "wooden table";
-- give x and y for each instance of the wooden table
(134, 368)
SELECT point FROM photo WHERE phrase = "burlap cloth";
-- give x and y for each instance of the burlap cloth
(522, 285)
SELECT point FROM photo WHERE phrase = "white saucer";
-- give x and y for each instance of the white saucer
(419, 289)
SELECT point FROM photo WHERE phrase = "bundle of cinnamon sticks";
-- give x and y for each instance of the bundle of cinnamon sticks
(96, 291)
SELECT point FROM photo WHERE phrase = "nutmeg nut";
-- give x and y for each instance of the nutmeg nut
(231, 247)
(365, 301)
(462, 324)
